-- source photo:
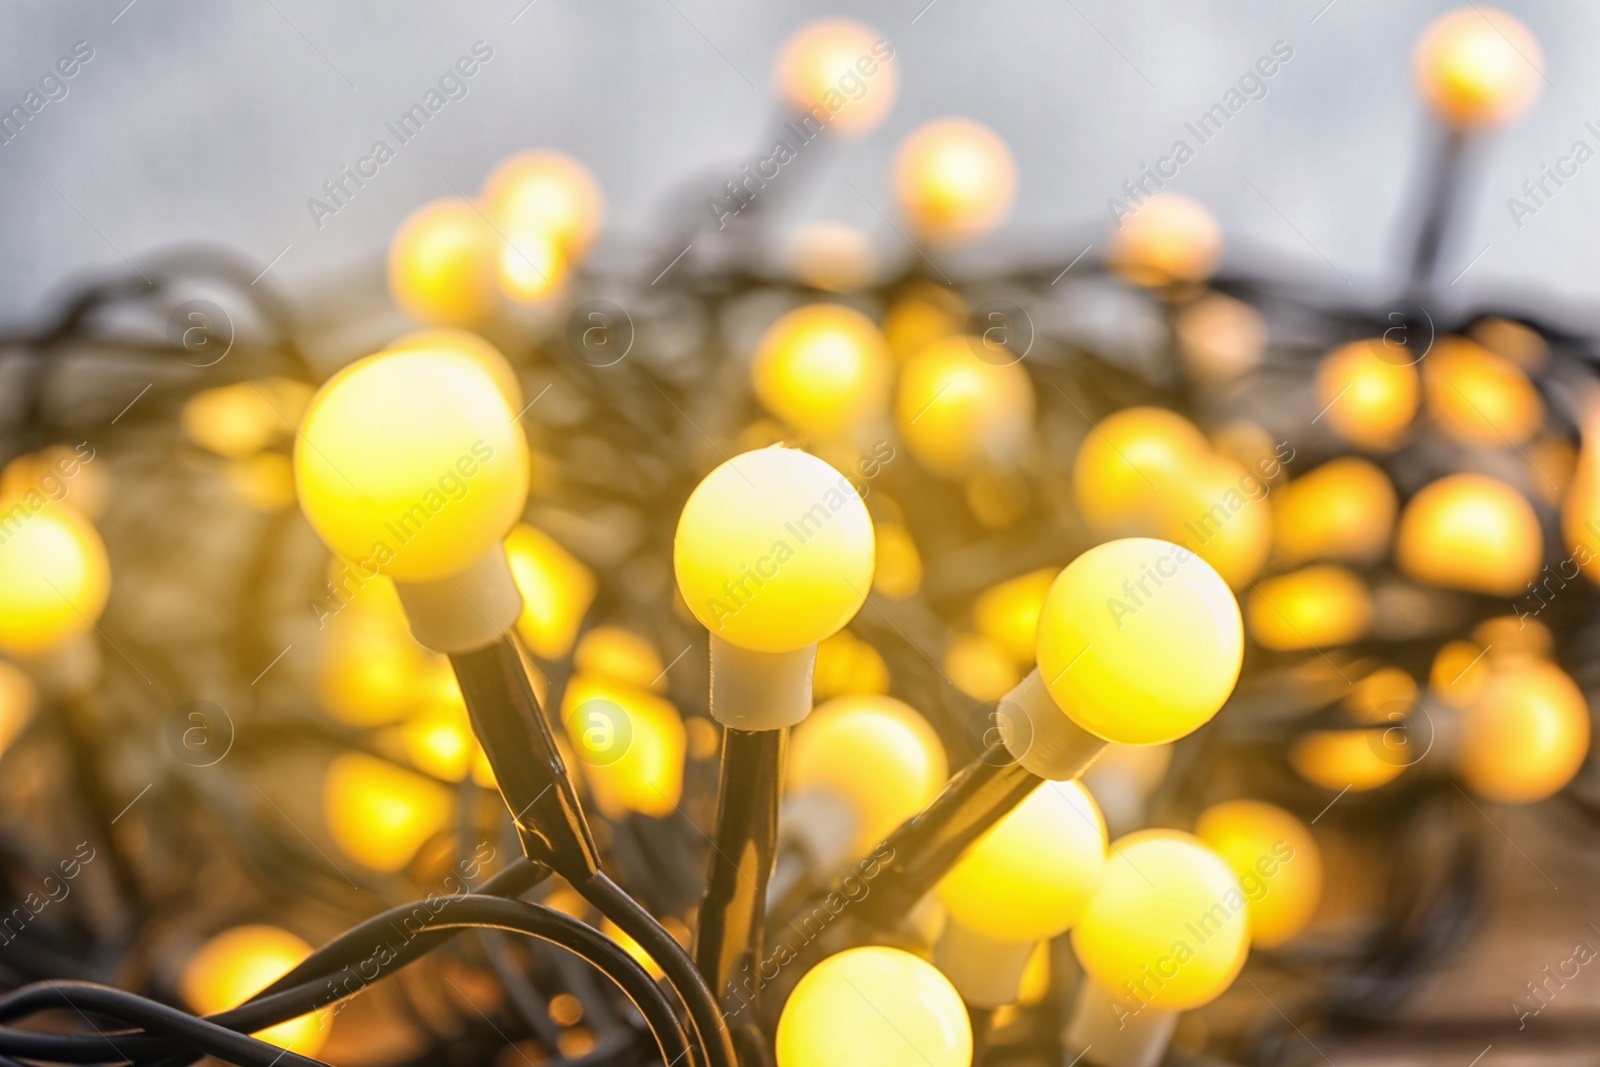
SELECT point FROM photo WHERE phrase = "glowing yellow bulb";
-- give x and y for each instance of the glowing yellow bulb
(1219, 512)
(1030, 877)
(1478, 397)
(1221, 338)
(1384, 696)
(1368, 393)
(556, 589)
(1459, 673)
(237, 964)
(1526, 735)
(622, 654)
(1123, 606)
(1168, 928)
(549, 195)
(1345, 509)
(954, 179)
(898, 573)
(874, 1007)
(1468, 531)
(380, 814)
(1125, 460)
(980, 667)
(1478, 67)
(629, 742)
(264, 481)
(1008, 613)
(1312, 608)
(1512, 636)
(439, 740)
(774, 550)
(925, 313)
(240, 420)
(837, 72)
(1169, 238)
(473, 347)
(874, 752)
(847, 664)
(54, 575)
(17, 700)
(1276, 860)
(823, 369)
(442, 264)
(531, 267)
(411, 463)
(1357, 760)
(371, 669)
(955, 409)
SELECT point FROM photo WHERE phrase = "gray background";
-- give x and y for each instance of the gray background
(215, 121)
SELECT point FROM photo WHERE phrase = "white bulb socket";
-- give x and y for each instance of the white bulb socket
(469, 610)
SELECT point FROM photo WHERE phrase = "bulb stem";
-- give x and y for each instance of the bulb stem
(985, 970)
(754, 691)
(1040, 736)
(1107, 1032)
(1441, 184)
(467, 611)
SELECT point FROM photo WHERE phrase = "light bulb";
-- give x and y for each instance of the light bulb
(876, 754)
(237, 964)
(1168, 238)
(629, 742)
(54, 575)
(954, 179)
(380, 814)
(1008, 613)
(980, 667)
(832, 257)
(774, 550)
(1526, 735)
(18, 698)
(1029, 878)
(1480, 398)
(371, 668)
(898, 571)
(1221, 338)
(841, 68)
(410, 463)
(1219, 512)
(240, 420)
(1357, 760)
(549, 195)
(614, 652)
(1368, 393)
(439, 741)
(874, 1007)
(442, 264)
(1477, 67)
(1140, 641)
(923, 313)
(1169, 927)
(1317, 607)
(473, 347)
(1276, 860)
(1382, 697)
(1125, 461)
(1345, 510)
(556, 587)
(1469, 531)
(824, 369)
(956, 410)
(531, 268)
(846, 664)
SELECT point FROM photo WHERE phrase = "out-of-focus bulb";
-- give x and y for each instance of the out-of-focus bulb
(240, 962)
(874, 1007)
(1317, 607)
(846, 664)
(54, 576)
(1008, 613)
(629, 742)
(1468, 531)
(980, 667)
(1459, 673)
(442, 264)
(17, 701)
(898, 573)
(547, 195)
(1220, 513)
(1276, 860)
(240, 420)
(1125, 461)
(1119, 610)
(1480, 398)
(841, 69)
(923, 314)
(410, 463)
(1169, 927)
(473, 347)
(556, 589)
(1357, 760)
(531, 267)
(954, 179)
(614, 652)
(1169, 238)
(1526, 735)
(1345, 510)
(379, 814)
(1477, 66)
(1368, 393)
(876, 754)
(956, 410)
(824, 369)
(371, 668)
(1221, 338)
(833, 257)
(774, 550)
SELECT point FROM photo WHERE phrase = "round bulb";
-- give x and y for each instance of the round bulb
(629, 743)
(473, 347)
(1480, 398)
(774, 550)
(1276, 860)
(876, 753)
(840, 68)
(240, 420)
(1478, 67)
(1118, 610)
(846, 664)
(824, 369)
(547, 195)
(1459, 673)
(1526, 735)
(379, 814)
(1468, 531)
(1220, 513)
(371, 668)
(1368, 393)
(980, 667)
(54, 575)
(874, 1007)
(1345, 509)
(1124, 463)
(1316, 607)
(1008, 613)
(1169, 926)
(411, 463)
(954, 179)
(1221, 338)
(956, 410)
(1357, 760)
(442, 264)
(556, 587)
(614, 652)
(1169, 238)
(237, 964)
(1030, 877)
(898, 572)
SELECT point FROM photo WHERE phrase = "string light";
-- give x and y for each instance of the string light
(240, 962)
(442, 264)
(1368, 394)
(1342, 510)
(1526, 735)
(823, 369)
(1317, 607)
(556, 587)
(841, 68)
(54, 578)
(954, 179)
(1276, 860)
(380, 814)
(470, 345)
(955, 410)
(1169, 238)
(1477, 67)
(1469, 531)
